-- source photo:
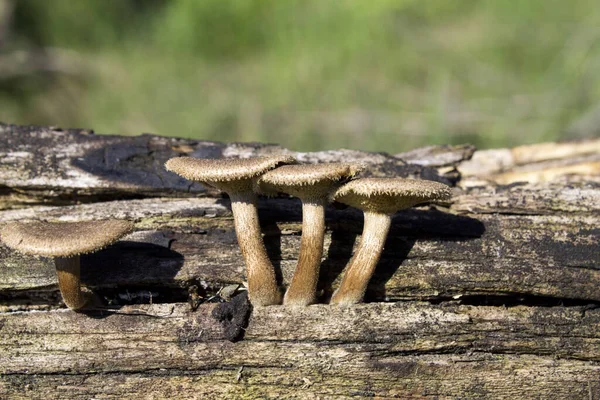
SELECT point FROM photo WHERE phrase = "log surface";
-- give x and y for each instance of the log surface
(491, 295)
(406, 350)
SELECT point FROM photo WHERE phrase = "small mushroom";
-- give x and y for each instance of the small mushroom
(236, 178)
(65, 242)
(311, 183)
(379, 198)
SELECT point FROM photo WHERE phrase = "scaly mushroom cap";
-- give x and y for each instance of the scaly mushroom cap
(226, 173)
(388, 195)
(63, 239)
(306, 180)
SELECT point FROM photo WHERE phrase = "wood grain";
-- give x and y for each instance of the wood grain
(410, 350)
(491, 295)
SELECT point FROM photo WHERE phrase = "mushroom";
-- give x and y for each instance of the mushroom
(379, 198)
(65, 241)
(236, 178)
(311, 183)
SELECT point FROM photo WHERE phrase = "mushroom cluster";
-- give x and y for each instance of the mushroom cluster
(315, 185)
(236, 178)
(243, 180)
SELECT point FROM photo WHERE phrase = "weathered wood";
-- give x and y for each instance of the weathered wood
(438, 156)
(511, 276)
(430, 254)
(44, 165)
(476, 376)
(570, 161)
(576, 198)
(405, 349)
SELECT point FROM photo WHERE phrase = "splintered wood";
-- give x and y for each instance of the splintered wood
(492, 295)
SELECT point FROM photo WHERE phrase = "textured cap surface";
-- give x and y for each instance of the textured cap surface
(63, 239)
(389, 195)
(307, 179)
(225, 169)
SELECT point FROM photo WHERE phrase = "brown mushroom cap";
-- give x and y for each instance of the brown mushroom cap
(306, 180)
(220, 173)
(63, 239)
(389, 195)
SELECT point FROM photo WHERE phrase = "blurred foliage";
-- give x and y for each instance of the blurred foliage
(383, 75)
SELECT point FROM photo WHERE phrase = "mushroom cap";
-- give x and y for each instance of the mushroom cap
(307, 180)
(388, 195)
(223, 173)
(63, 239)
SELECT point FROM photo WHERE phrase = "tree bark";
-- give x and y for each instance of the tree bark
(492, 295)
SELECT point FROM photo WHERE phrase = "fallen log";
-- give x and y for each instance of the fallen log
(408, 350)
(492, 295)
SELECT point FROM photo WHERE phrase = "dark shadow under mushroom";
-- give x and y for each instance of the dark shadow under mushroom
(134, 273)
(408, 227)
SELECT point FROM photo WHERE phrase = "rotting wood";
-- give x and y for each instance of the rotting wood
(45, 165)
(511, 273)
(408, 350)
(544, 162)
(430, 254)
(438, 156)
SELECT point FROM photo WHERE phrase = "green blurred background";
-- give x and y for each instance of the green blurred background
(384, 75)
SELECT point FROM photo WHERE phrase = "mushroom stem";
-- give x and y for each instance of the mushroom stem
(302, 290)
(362, 265)
(67, 269)
(262, 284)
